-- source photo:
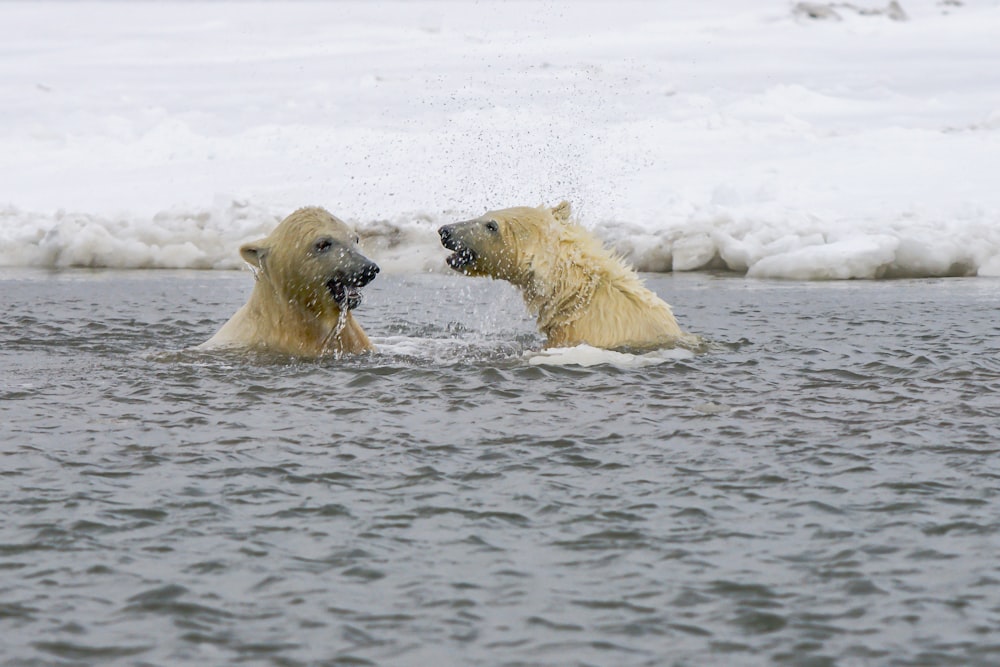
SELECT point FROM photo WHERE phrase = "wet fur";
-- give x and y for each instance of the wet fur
(289, 310)
(578, 290)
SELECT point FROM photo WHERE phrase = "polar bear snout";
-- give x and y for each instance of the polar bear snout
(447, 234)
(362, 275)
(463, 255)
(346, 283)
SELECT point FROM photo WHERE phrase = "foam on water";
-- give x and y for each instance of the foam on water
(587, 356)
(443, 351)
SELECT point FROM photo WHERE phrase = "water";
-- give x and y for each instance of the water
(821, 488)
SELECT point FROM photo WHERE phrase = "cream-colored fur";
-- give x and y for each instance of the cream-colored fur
(578, 290)
(291, 309)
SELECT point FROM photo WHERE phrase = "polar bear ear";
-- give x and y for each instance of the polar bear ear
(562, 211)
(254, 253)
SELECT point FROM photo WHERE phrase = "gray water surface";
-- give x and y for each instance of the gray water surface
(821, 488)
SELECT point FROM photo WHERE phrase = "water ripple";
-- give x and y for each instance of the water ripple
(814, 490)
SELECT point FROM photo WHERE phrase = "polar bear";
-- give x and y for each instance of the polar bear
(579, 291)
(308, 273)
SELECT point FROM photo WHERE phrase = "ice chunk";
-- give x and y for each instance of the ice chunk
(862, 257)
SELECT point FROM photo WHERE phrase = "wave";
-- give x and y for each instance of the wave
(768, 243)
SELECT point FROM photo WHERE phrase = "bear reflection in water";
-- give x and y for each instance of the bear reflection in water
(577, 289)
(308, 275)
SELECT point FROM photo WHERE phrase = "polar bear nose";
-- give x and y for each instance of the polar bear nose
(364, 274)
(445, 233)
(369, 272)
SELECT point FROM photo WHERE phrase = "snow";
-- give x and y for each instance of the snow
(734, 134)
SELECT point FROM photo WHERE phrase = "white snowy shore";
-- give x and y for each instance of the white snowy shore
(728, 134)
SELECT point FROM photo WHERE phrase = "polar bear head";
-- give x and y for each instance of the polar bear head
(311, 261)
(505, 243)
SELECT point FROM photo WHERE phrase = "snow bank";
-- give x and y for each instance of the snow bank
(732, 135)
(788, 247)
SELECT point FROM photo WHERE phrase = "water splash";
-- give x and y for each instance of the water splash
(335, 332)
(586, 356)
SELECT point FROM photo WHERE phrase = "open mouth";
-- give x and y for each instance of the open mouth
(461, 258)
(348, 297)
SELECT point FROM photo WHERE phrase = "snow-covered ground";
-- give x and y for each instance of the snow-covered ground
(731, 133)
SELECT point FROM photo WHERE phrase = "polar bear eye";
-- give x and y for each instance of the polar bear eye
(492, 226)
(357, 240)
(323, 245)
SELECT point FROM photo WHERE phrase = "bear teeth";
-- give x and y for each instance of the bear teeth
(347, 298)
(461, 258)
